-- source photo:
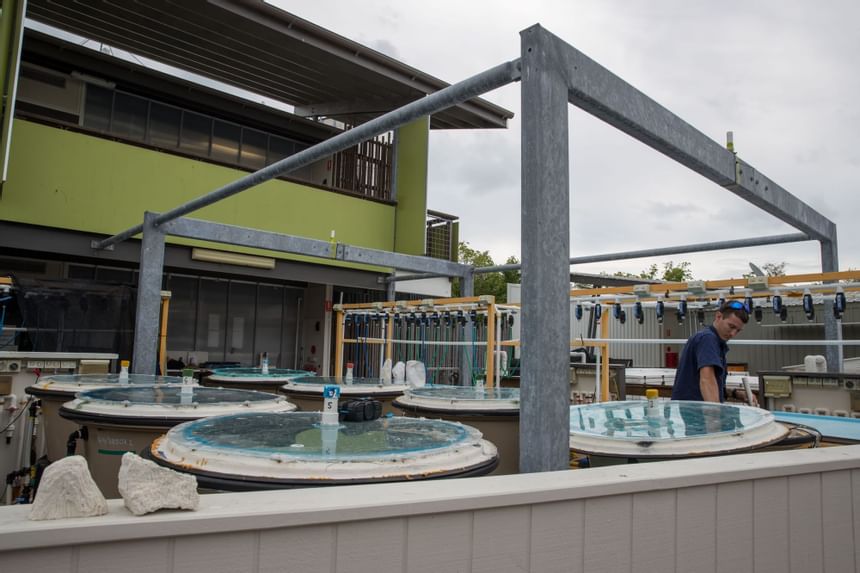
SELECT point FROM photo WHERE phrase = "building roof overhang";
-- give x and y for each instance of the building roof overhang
(249, 44)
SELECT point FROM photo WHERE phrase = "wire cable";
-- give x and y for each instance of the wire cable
(18, 415)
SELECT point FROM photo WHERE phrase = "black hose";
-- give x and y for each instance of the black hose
(72, 444)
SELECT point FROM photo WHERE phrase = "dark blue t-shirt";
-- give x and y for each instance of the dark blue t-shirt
(705, 348)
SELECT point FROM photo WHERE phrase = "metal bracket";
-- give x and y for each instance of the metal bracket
(94, 244)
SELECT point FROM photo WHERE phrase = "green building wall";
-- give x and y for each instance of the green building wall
(69, 180)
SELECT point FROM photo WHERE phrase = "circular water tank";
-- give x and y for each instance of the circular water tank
(276, 451)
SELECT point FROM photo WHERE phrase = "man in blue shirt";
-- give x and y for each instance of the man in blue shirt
(701, 373)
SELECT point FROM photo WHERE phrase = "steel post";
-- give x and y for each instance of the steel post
(146, 319)
(545, 205)
(832, 327)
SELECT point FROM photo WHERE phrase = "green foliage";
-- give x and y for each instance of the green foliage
(671, 272)
(774, 269)
(771, 270)
(486, 283)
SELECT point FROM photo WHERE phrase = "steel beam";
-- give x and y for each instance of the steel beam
(460, 92)
(695, 248)
(246, 237)
(399, 261)
(601, 93)
(545, 206)
(146, 321)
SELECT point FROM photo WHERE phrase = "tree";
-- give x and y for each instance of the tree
(770, 269)
(671, 272)
(774, 269)
(486, 283)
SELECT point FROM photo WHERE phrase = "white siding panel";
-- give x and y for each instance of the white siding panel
(735, 527)
(837, 521)
(52, 560)
(557, 537)
(770, 507)
(371, 546)
(696, 543)
(608, 523)
(501, 539)
(440, 542)
(654, 531)
(146, 556)
(804, 525)
(855, 506)
(306, 549)
(219, 553)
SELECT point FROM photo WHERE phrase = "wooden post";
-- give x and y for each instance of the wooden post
(338, 344)
(162, 346)
(604, 359)
(489, 382)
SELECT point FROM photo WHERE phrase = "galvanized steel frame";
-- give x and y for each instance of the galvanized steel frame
(554, 75)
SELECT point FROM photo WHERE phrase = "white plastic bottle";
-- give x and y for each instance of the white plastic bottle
(186, 391)
(652, 410)
(264, 363)
(348, 378)
(123, 371)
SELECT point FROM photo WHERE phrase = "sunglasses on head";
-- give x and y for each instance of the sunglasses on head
(735, 304)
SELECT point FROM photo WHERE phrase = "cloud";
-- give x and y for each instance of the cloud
(780, 74)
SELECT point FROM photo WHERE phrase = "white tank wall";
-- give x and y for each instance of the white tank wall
(771, 512)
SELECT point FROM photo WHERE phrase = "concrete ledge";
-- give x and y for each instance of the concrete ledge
(234, 512)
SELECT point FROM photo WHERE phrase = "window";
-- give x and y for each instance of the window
(240, 324)
(254, 145)
(182, 312)
(97, 108)
(225, 142)
(212, 318)
(129, 116)
(270, 314)
(196, 133)
(164, 125)
(279, 148)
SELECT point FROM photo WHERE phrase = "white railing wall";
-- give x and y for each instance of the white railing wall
(777, 511)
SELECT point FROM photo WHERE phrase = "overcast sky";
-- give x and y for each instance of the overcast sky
(782, 75)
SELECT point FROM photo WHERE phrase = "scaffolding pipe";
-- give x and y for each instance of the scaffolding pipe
(460, 92)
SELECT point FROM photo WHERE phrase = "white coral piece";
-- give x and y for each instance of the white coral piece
(146, 487)
(67, 490)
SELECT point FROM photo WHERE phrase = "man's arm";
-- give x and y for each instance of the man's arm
(708, 384)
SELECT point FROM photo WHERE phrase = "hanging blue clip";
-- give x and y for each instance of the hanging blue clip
(637, 312)
(682, 310)
(839, 305)
(808, 306)
(776, 300)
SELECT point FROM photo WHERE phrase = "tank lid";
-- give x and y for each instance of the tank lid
(671, 428)
(463, 398)
(298, 446)
(77, 382)
(365, 386)
(173, 401)
(256, 374)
